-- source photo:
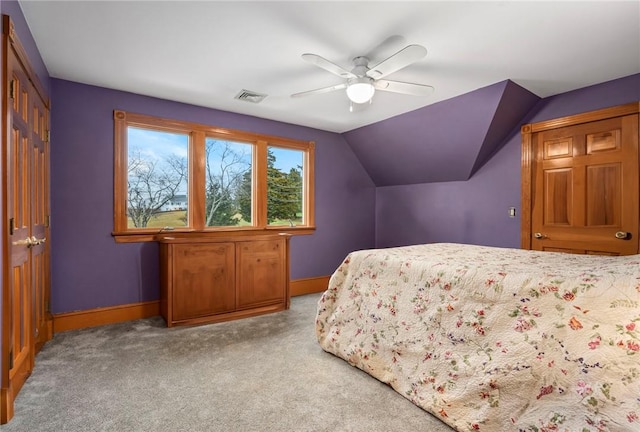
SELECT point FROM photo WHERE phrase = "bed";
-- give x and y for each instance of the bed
(493, 339)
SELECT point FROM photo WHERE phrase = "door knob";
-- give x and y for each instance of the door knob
(37, 241)
(538, 235)
(622, 235)
(28, 242)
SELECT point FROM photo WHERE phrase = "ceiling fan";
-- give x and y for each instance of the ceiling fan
(362, 81)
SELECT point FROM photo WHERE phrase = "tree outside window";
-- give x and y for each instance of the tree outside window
(156, 175)
(284, 186)
(228, 164)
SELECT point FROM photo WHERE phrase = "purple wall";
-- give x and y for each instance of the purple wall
(476, 211)
(90, 270)
(443, 142)
(430, 143)
(473, 211)
(611, 93)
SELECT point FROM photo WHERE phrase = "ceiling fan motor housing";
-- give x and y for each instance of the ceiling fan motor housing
(361, 66)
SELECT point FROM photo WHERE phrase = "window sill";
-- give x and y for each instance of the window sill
(148, 236)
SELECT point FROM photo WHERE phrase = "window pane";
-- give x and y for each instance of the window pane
(228, 183)
(156, 178)
(284, 186)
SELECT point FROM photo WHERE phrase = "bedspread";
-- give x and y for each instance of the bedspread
(493, 339)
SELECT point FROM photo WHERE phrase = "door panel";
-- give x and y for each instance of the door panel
(21, 357)
(586, 192)
(561, 147)
(603, 141)
(603, 195)
(558, 196)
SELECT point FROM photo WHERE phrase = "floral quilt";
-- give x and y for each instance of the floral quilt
(493, 339)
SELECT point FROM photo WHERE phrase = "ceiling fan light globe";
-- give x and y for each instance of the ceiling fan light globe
(360, 90)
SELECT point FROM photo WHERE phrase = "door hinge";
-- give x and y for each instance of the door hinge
(12, 226)
(12, 89)
(10, 359)
(46, 221)
(47, 136)
(48, 306)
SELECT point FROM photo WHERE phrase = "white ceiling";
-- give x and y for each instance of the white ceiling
(204, 53)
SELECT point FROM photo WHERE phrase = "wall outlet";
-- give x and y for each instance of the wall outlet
(512, 212)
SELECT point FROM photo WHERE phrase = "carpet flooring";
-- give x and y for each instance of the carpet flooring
(264, 373)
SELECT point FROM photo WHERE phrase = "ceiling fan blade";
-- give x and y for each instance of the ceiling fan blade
(325, 64)
(403, 87)
(402, 58)
(320, 90)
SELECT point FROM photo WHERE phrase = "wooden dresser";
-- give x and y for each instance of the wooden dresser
(210, 279)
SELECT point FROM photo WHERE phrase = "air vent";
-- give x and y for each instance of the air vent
(250, 96)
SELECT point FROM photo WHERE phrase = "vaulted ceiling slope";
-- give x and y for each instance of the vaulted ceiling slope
(446, 141)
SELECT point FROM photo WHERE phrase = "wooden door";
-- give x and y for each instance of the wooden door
(585, 196)
(26, 321)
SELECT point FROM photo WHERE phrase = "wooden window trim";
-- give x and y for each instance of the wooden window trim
(197, 135)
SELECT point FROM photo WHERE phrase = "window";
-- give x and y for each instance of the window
(185, 177)
(156, 178)
(228, 198)
(284, 186)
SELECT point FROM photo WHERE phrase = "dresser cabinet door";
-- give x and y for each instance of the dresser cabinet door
(261, 272)
(203, 279)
